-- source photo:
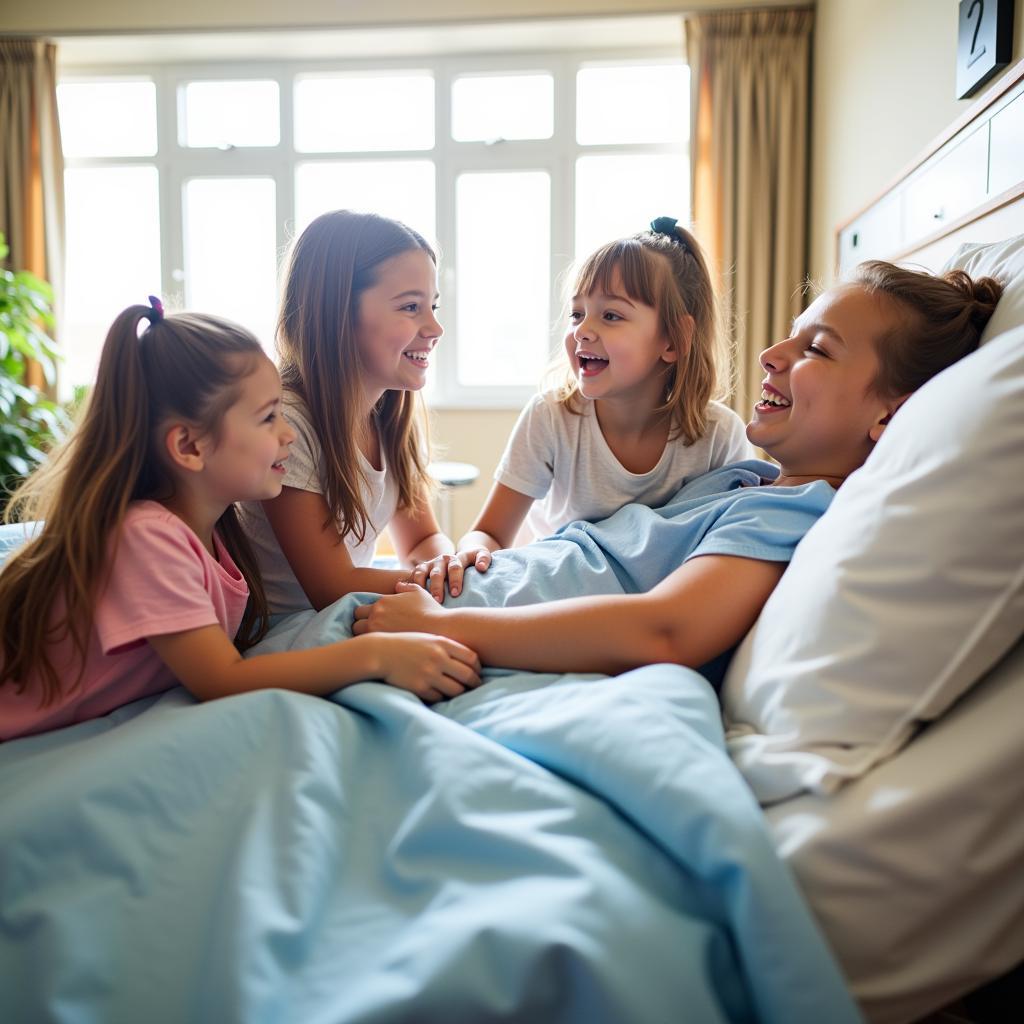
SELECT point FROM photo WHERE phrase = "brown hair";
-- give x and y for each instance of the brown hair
(669, 274)
(942, 317)
(187, 366)
(331, 264)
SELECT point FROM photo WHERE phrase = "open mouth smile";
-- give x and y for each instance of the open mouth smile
(590, 365)
(771, 400)
(419, 358)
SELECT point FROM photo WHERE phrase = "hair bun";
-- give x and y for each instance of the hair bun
(983, 291)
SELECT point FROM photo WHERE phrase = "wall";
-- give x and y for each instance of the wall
(58, 16)
(884, 87)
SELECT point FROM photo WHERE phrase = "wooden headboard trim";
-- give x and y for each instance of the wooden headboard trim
(989, 206)
(1009, 79)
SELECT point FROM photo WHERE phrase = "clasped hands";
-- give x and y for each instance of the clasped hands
(433, 575)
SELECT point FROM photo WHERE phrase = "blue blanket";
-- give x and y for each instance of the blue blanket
(545, 848)
(542, 849)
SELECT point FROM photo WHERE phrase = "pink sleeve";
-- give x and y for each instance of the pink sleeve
(159, 583)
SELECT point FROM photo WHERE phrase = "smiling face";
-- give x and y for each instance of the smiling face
(243, 458)
(819, 415)
(615, 346)
(396, 328)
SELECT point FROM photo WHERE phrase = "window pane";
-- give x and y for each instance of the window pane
(113, 223)
(503, 235)
(620, 195)
(364, 112)
(400, 189)
(230, 251)
(224, 114)
(107, 118)
(633, 103)
(488, 108)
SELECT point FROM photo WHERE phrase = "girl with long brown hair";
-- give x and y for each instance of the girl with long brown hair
(354, 338)
(140, 576)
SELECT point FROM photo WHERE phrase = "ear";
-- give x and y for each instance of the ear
(883, 421)
(185, 448)
(686, 328)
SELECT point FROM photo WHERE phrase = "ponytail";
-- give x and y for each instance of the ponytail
(183, 366)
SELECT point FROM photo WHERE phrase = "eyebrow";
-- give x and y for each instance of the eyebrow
(413, 294)
(608, 295)
(266, 405)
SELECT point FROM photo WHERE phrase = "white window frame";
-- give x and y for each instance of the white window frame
(557, 156)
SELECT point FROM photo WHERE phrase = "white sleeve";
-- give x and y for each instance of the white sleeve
(729, 443)
(302, 467)
(528, 463)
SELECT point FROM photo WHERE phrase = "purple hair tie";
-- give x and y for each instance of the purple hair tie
(157, 311)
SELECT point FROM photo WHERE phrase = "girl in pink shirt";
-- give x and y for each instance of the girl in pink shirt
(141, 576)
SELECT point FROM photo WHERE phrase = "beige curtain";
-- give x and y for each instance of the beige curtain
(31, 161)
(750, 74)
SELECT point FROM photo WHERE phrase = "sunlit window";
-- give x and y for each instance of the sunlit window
(632, 103)
(192, 182)
(226, 114)
(401, 189)
(619, 195)
(364, 112)
(107, 118)
(502, 241)
(230, 259)
(112, 242)
(494, 108)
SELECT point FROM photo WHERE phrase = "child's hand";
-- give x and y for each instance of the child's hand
(432, 667)
(411, 611)
(432, 575)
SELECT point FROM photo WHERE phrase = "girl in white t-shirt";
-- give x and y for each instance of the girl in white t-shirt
(139, 576)
(636, 415)
(354, 337)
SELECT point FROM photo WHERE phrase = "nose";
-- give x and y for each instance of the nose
(432, 328)
(774, 358)
(287, 435)
(583, 329)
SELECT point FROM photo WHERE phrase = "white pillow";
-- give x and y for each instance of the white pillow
(900, 597)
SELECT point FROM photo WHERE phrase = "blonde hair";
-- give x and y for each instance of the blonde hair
(669, 274)
(186, 366)
(331, 264)
(942, 317)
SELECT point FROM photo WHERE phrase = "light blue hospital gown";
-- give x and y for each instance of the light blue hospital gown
(723, 512)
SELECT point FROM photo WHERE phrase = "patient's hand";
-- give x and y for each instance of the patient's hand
(432, 575)
(412, 610)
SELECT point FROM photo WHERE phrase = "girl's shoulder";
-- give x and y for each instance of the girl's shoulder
(297, 414)
(148, 511)
(149, 522)
(554, 404)
(719, 413)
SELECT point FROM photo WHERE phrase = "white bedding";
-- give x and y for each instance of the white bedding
(916, 870)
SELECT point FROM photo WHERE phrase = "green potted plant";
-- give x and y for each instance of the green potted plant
(29, 421)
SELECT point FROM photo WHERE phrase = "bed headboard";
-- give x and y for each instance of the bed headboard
(966, 186)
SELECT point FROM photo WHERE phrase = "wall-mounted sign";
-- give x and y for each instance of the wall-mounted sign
(984, 43)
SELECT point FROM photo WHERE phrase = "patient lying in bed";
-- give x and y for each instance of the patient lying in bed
(687, 589)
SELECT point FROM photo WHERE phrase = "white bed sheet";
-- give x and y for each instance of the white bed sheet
(916, 871)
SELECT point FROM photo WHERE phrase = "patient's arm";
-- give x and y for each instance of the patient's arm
(696, 613)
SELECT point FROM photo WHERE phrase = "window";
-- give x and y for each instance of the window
(192, 180)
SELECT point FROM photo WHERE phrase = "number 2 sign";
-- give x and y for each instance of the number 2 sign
(984, 42)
